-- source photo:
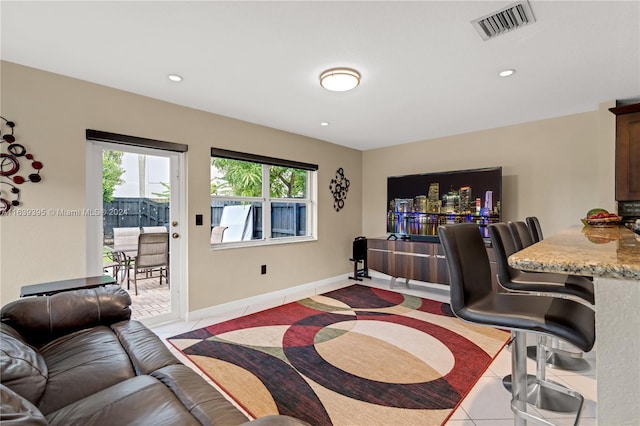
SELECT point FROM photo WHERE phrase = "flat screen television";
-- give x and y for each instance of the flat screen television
(418, 204)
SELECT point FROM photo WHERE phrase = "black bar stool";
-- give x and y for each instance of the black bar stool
(514, 237)
(553, 285)
(581, 287)
(474, 300)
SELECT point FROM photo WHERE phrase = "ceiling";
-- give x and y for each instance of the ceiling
(425, 71)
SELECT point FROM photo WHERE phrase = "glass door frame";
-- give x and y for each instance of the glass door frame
(94, 226)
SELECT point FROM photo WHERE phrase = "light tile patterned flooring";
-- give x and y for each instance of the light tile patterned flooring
(487, 404)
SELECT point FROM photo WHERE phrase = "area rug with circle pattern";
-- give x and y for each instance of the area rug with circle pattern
(353, 356)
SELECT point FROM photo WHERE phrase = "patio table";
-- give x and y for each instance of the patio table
(124, 255)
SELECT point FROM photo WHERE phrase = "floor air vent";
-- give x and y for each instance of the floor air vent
(510, 18)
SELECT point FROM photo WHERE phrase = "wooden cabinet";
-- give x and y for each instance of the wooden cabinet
(413, 260)
(627, 152)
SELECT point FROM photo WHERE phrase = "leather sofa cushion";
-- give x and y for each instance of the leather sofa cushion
(22, 368)
(80, 364)
(145, 349)
(202, 400)
(16, 410)
(141, 400)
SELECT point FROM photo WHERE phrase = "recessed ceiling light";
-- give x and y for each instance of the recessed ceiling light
(340, 79)
(507, 73)
(324, 123)
(175, 77)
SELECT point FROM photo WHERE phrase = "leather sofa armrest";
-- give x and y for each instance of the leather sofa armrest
(44, 318)
(145, 349)
(201, 399)
(207, 404)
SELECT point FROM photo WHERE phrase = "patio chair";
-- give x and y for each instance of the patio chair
(153, 254)
(152, 229)
(217, 232)
(123, 237)
(125, 241)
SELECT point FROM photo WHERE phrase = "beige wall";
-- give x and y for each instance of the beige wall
(555, 169)
(52, 113)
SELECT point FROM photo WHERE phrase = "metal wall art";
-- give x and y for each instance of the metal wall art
(339, 187)
(12, 172)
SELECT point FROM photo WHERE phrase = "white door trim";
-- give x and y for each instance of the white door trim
(178, 214)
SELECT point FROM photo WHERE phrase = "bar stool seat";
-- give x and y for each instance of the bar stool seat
(473, 299)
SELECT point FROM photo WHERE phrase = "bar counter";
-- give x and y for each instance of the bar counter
(612, 257)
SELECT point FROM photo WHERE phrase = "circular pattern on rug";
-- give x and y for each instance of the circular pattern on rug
(434, 394)
(397, 354)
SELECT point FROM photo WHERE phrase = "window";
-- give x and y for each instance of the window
(260, 199)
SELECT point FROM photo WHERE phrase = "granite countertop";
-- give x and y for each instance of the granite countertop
(589, 251)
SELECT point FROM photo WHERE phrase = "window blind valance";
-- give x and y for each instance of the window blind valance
(98, 135)
(243, 156)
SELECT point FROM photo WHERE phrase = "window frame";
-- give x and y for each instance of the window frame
(309, 200)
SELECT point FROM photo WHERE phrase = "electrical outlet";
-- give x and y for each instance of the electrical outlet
(263, 269)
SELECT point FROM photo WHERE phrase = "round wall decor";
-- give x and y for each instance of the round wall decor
(10, 166)
(339, 187)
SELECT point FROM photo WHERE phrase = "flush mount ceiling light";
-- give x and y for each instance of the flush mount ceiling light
(507, 73)
(340, 79)
(175, 77)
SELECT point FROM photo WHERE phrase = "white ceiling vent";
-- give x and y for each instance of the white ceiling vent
(509, 18)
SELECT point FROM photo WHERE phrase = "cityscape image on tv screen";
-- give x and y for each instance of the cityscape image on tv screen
(418, 204)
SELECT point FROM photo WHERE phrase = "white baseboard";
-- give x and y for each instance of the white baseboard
(277, 296)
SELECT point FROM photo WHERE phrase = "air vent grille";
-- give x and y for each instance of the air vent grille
(504, 20)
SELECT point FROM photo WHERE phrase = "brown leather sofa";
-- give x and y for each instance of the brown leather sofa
(76, 358)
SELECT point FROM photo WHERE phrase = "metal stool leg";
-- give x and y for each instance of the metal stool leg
(560, 358)
(543, 397)
(520, 386)
(519, 374)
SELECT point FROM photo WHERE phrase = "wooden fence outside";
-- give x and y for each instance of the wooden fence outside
(287, 219)
(134, 212)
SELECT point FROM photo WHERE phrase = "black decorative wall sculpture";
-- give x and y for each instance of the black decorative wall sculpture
(10, 167)
(339, 187)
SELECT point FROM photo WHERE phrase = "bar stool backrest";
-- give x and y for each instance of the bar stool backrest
(534, 228)
(468, 264)
(520, 235)
(503, 247)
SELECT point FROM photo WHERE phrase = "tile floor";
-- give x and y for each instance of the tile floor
(487, 404)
